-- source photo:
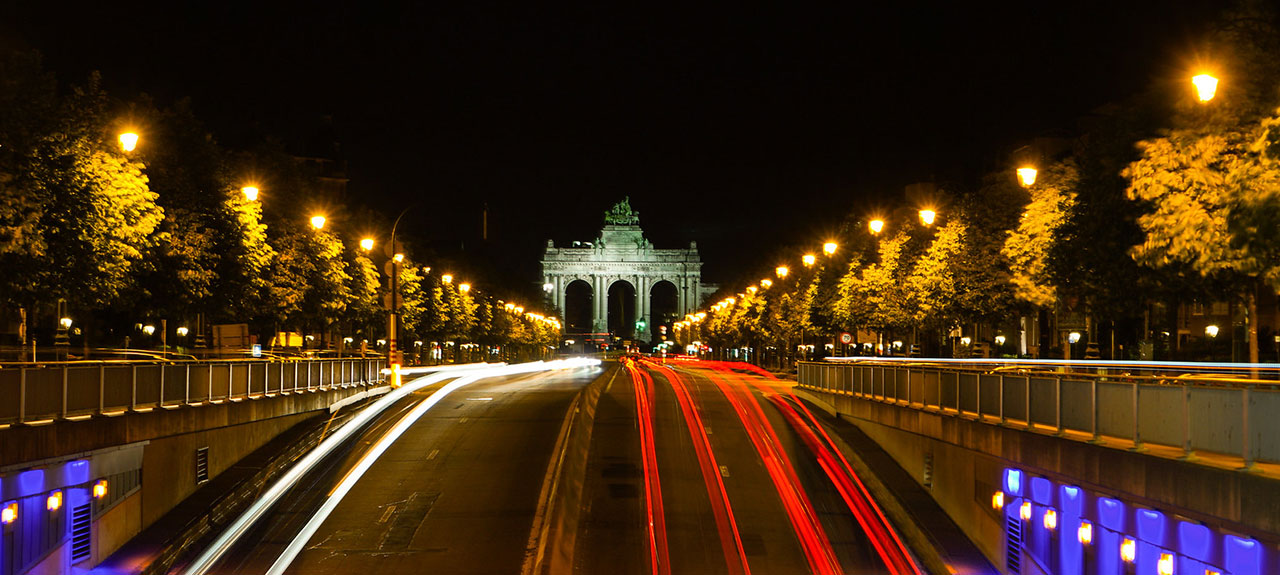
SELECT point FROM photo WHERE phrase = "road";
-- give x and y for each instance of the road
(687, 470)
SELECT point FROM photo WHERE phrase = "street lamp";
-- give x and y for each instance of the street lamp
(927, 216)
(1206, 86)
(548, 287)
(876, 225)
(317, 222)
(1211, 330)
(1027, 176)
(447, 278)
(782, 271)
(182, 332)
(464, 287)
(250, 193)
(809, 260)
(829, 248)
(398, 258)
(128, 141)
(766, 283)
(366, 244)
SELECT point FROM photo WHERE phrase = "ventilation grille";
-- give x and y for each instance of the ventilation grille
(1013, 542)
(202, 465)
(81, 539)
(927, 475)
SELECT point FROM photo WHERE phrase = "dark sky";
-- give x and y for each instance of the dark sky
(741, 127)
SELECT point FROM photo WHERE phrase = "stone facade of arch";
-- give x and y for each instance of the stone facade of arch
(621, 252)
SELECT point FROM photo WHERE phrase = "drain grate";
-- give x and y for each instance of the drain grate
(81, 536)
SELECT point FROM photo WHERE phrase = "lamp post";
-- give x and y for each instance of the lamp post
(393, 317)
(128, 141)
(1206, 86)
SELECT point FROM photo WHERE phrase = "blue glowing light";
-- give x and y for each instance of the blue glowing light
(1194, 540)
(1150, 525)
(1242, 556)
(1013, 481)
(75, 472)
(30, 482)
(1041, 491)
(1069, 498)
(1111, 513)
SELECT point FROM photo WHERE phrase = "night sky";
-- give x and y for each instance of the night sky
(744, 128)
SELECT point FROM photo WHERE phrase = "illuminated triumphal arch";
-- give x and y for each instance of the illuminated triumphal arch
(634, 290)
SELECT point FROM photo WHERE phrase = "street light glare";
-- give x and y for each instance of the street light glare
(464, 287)
(1206, 86)
(782, 271)
(317, 222)
(366, 244)
(447, 278)
(829, 248)
(398, 257)
(809, 259)
(927, 217)
(876, 226)
(250, 193)
(1027, 176)
(128, 141)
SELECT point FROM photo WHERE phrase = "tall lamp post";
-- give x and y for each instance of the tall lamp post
(393, 318)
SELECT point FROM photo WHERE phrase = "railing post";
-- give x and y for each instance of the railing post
(1137, 413)
(133, 397)
(1058, 408)
(22, 394)
(1093, 408)
(64, 391)
(1187, 453)
(160, 399)
(295, 375)
(102, 389)
(977, 386)
(231, 380)
(1245, 444)
(186, 398)
(908, 387)
(1003, 420)
(209, 397)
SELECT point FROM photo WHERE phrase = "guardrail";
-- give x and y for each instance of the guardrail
(1230, 418)
(77, 390)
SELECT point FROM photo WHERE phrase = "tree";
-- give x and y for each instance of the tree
(1028, 247)
(1213, 205)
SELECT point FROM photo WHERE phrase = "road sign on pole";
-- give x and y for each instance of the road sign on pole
(846, 338)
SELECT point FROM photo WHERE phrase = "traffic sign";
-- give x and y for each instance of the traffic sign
(846, 338)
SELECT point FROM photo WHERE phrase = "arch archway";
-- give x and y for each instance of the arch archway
(578, 299)
(622, 309)
(664, 309)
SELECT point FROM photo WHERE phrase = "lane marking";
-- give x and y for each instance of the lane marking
(386, 514)
(724, 470)
(433, 454)
(479, 399)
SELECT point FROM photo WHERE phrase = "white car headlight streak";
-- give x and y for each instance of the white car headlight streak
(465, 373)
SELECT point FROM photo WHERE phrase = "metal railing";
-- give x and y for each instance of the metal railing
(33, 393)
(1233, 418)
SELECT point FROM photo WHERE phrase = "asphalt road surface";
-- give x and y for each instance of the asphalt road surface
(697, 469)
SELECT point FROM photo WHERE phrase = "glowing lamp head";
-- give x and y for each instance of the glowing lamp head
(829, 248)
(446, 278)
(966, 340)
(317, 222)
(927, 217)
(548, 287)
(1050, 519)
(1073, 337)
(766, 283)
(1211, 330)
(1128, 550)
(997, 500)
(54, 501)
(781, 271)
(250, 193)
(809, 260)
(183, 331)
(1085, 533)
(510, 307)
(519, 309)
(366, 244)
(65, 322)
(1025, 511)
(1206, 86)
(1165, 565)
(751, 289)
(1027, 176)
(128, 141)
(464, 287)
(398, 258)
(148, 329)
(1000, 340)
(9, 514)
(876, 226)
(100, 489)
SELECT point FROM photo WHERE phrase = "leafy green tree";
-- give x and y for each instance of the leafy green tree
(1028, 247)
